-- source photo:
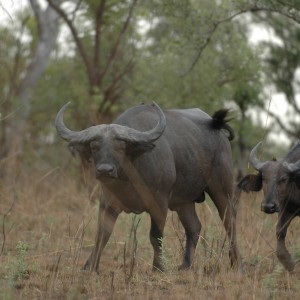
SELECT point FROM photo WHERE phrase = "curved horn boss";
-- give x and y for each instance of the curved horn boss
(124, 133)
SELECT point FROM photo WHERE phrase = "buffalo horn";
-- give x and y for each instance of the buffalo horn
(292, 167)
(134, 136)
(122, 132)
(254, 161)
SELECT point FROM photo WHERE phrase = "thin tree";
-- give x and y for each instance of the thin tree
(105, 69)
(48, 28)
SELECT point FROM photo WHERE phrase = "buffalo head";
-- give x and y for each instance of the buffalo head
(265, 180)
(110, 145)
(280, 181)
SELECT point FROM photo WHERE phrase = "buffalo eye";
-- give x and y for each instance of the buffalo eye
(95, 147)
(282, 180)
(119, 145)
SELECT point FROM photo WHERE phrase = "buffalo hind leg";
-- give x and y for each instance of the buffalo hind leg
(106, 220)
(192, 226)
(284, 220)
(227, 214)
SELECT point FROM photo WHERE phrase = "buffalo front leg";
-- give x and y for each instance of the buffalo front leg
(156, 239)
(192, 226)
(284, 220)
(106, 221)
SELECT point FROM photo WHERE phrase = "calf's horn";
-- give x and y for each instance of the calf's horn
(292, 167)
(122, 132)
(254, 161)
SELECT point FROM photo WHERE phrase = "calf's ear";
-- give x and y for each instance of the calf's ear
(251, 183)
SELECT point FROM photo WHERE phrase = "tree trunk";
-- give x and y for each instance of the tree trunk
(48, 31)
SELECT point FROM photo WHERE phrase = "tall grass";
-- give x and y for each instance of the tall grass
(49, 232)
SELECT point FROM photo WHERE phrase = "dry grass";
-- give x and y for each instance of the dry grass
(50, 229)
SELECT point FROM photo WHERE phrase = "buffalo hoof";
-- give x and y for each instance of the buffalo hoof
(83, 270)
(290, 267)
(286, 261)
(87, 268)
(184, 267)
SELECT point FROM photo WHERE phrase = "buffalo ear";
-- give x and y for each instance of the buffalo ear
(251, 183)
(295, 177)
(134, 150)
(83, 150)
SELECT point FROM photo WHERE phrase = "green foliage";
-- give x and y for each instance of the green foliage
(167, 257)
(186, 54)
(284, 59)
(272, 281)
(296, 252)
(18, 268)
(13, 58)
(227, 69)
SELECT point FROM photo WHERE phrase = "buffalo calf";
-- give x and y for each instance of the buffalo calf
(280, 181)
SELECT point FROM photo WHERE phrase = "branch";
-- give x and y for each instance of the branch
(17, 57)
(6, 11)
(3, 223)
(13, 76)
(75, 35)
(119, 39)
(75, 10)
(114, 82)
(282, 125)
(252, 9)
(292, 101)
(208, 39)
(99, 19)
(199, 53)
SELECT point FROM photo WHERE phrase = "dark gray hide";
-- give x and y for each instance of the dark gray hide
(280, 181)
(184, 154)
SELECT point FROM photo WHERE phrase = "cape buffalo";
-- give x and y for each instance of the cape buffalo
(148, 161)
(280, 181)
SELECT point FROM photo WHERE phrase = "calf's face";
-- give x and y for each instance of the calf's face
(265, 180)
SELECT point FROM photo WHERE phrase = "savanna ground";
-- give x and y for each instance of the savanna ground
(47, 231)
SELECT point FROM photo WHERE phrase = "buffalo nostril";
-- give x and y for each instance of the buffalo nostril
(268, 208)
(105, 170)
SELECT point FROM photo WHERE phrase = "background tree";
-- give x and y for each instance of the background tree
(227, 73)
(25, 78)
(283, 62)
(179, 53)
(101, 31)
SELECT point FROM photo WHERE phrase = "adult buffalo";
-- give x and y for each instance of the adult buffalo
(280, 181)
(148, 161)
